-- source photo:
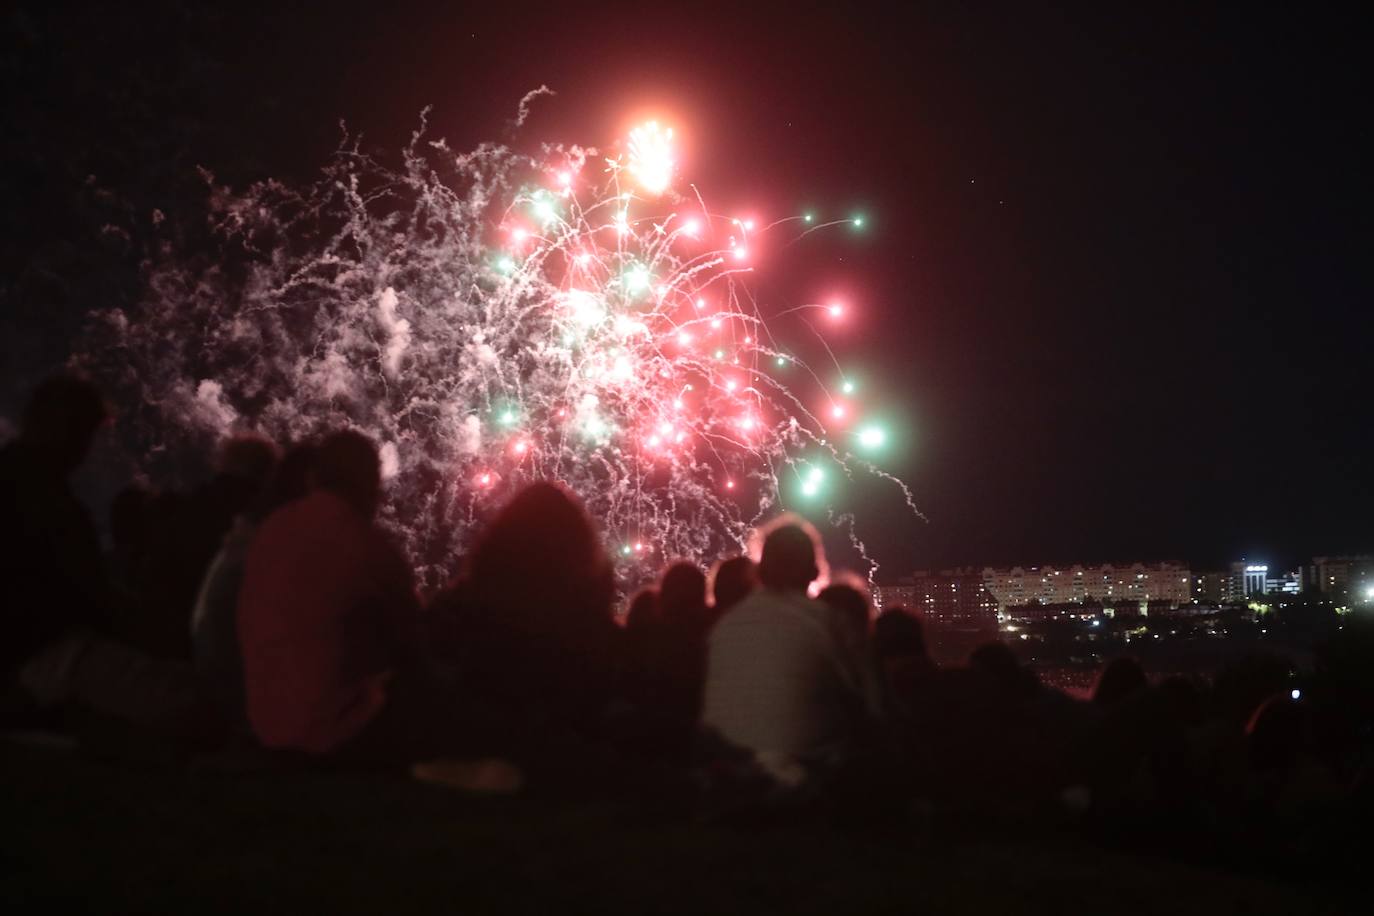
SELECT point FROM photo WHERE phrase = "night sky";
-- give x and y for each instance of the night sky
(1115, 288)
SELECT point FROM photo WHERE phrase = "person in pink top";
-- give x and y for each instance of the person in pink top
(327, 614)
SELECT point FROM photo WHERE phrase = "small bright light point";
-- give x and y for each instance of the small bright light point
(729, 484)
(684, 339)
(747, 423)
(626, 550)
(582, 259)
(508, 417)
(544, 210)
(562, 412)
(720, 354)
(847, 387)
(837, 411)
(872, 437)
(666, 429)
(748, 340)
(741, 253)
(565, 178)
(677, 405)
(521, 447)
(484, 480)
(637, 279)
(836, 310)
(814, 475)
(653, 442)
(730, 385)
(749, 225)
(638, 546)
(519, 234)
(701, 303)
(782, 360)
(691, 227)
(810, 218)
(505, 265)
(809, 489)
(715, 323)
(679, 438)
(1295, 693)
(858, 222)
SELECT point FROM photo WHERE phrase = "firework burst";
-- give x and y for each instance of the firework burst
(493, 318)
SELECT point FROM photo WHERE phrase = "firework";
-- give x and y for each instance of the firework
(493, 318)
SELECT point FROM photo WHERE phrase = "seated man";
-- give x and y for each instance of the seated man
(57, 614)
(785, 678)
(327, 614)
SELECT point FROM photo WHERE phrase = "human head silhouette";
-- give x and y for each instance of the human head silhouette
(541, 561)
(61, 419)
(682, 593)
(851, 603)
(1118, 680)
(791, 557)
(249, 457)
(898, 633)
(731, 581)
(642, 614)
(290, 479)
(346, 464)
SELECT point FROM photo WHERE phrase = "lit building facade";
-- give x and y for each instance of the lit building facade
(950, 599)
(1346, 580)
(1141, 584)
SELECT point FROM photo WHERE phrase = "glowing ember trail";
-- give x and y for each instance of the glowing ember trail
(493, 318)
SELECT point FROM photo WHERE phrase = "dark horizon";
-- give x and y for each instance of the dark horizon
(1116, 276)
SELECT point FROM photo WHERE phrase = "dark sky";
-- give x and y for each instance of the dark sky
(1117, 283)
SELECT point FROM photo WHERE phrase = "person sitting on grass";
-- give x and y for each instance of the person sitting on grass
(58, 652)
(785, 680)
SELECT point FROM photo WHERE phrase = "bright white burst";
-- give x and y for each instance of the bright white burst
(651, 157)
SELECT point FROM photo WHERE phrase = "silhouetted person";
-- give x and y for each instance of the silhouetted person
(55, 643)
(731, 581)
(533, 632)
(899, 645)
(54, 575)
(185, 548)
(680, 651)
(1118, 680)
(327, 614)
(639, 645)
(852, 605)
(998, 662)
(642, 615)
(214, 621)
(784, 678)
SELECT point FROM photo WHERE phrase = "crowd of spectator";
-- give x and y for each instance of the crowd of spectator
(266, 612)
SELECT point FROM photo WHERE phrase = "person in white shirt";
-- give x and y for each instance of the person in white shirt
(786, 678)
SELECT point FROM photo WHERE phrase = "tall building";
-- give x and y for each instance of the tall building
(958, 611)
(1287, 584)
(1164, 584)
(1216, 587)
(1248, 578)
(1346, 580)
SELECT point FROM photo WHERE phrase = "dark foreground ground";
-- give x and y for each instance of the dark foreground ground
(86, 835)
